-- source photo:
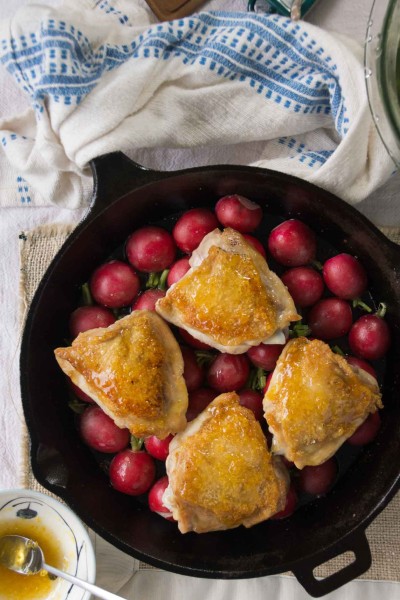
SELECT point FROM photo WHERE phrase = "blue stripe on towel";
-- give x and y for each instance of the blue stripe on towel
(271, 55)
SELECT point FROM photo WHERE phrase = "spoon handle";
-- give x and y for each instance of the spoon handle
(83, 584)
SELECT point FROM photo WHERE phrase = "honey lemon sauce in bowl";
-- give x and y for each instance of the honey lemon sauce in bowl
(62, 537)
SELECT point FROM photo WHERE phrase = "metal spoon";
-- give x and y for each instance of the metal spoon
(23, 555)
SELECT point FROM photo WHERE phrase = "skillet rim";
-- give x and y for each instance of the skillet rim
(144, 178)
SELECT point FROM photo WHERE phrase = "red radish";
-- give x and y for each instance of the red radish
(114, 284)
(156, 499)
(192, 226)
(305, 285)
(147, 300)
(100, 432)
(266, 386)
(150, 249)
(330, 318)
(89, 317)
(81, 394)
(132, 472)
(361, 364)
(252, 400)
(178, 270)
(288, 463)
(292, 243)
(265, 355)
(345, 276)
(290, 506)
(238, 212)
(193, 342)
(158, 448)
(257, 245)
(193, 373)
(369, 337)
(198, 401)
(367, 431)
(319, 479)
(228, 372)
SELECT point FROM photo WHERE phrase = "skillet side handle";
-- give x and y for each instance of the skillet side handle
(358, 544)
(114, 175)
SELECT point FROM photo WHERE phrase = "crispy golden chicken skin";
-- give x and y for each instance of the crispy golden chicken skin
(221, 473)
(133, 370)
(315, 401)
(229, 298)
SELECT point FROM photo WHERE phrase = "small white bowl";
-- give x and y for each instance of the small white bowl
(68, 531)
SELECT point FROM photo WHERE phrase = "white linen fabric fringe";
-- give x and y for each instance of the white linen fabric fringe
(252, 88)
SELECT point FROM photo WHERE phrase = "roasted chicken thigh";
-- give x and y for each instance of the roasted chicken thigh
(133, 370)
(315, 401)
(229, 298)
(221, 473)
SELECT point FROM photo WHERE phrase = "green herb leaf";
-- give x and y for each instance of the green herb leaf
(261, 379)
(118, 313)
(257, 379)
(317, 265)
(87, 299)
(358, 303)
(77, 406)
(152, 280)
(136, 443)
(299, 330)
(337, 350)
(204, 357)
(157, 280)
(381, 312)
(162, 285)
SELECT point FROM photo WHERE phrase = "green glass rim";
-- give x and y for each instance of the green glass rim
(283, 6)
(388, 66)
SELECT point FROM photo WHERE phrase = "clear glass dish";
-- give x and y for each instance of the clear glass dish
(382, 72)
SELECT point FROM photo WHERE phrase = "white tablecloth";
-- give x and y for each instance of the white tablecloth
(382, 207)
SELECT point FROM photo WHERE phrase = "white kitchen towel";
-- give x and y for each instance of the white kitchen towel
(101, 78)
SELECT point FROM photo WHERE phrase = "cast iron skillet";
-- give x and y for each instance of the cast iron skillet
(127, 196)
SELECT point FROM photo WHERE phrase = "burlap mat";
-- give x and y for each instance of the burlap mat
(38, 247)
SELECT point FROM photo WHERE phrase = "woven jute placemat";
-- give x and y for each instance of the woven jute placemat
(39, 246)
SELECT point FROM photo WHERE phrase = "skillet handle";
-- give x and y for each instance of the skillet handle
(358, 544)
(114, 175)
